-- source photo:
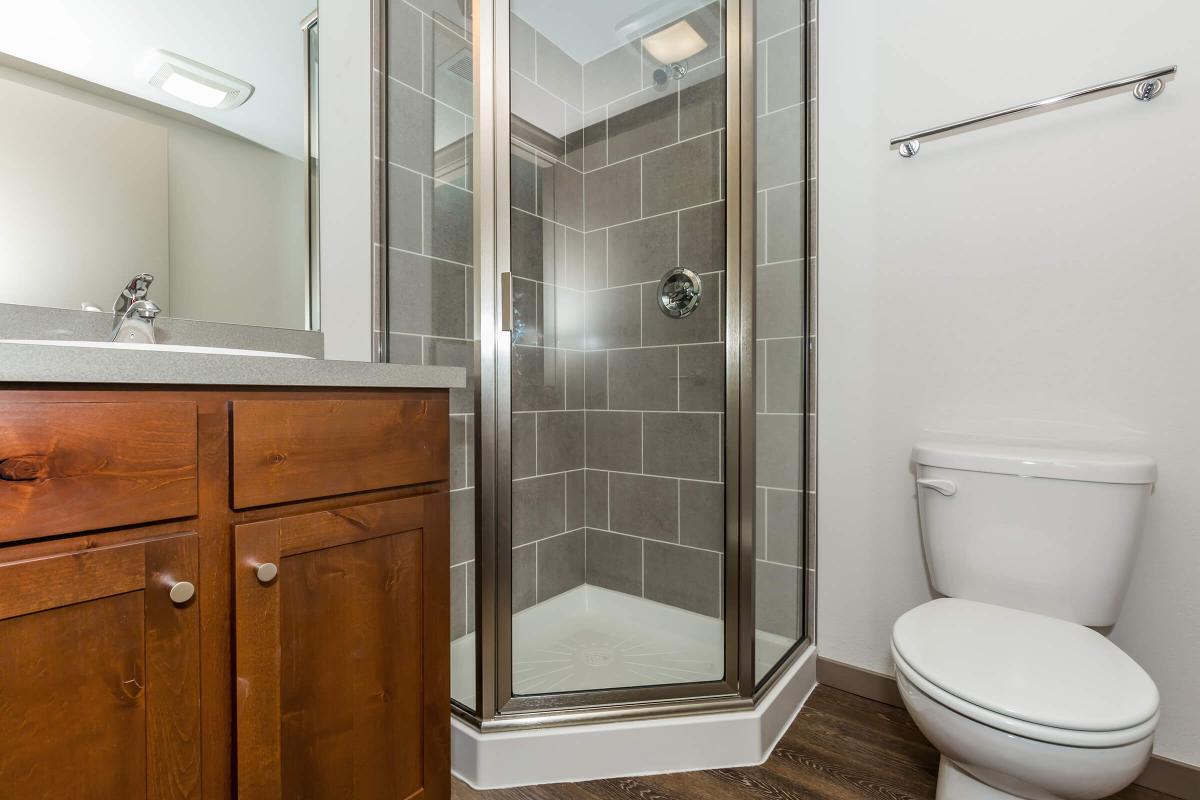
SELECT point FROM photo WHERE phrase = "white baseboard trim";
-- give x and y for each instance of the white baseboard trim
(569, 754)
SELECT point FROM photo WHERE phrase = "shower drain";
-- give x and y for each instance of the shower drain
(597, 656)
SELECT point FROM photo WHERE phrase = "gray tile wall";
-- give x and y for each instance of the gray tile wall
(431, 258)
(780, 323)
(654, 386)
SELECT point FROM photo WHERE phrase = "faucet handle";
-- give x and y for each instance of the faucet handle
(138, 286)
(146, 309)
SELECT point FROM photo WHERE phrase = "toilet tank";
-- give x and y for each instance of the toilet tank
(1054, 532)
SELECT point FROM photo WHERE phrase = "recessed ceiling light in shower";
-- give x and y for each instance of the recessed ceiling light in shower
(195, 83)
(675, 43)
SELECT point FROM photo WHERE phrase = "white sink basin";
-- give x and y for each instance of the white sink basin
(165, 348)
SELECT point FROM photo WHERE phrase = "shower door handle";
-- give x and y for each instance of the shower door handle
(506, 309)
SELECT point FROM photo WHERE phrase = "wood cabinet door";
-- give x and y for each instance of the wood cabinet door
(100, 673)
(343, 653)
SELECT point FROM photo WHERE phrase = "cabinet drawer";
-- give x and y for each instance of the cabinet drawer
(70, 467)
(288, 450)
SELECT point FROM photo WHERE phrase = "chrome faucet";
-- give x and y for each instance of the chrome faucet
(133, 314)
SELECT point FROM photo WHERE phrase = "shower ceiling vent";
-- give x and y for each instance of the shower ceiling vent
(195, 83)
(460, 65)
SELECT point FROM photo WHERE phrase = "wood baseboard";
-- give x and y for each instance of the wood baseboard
(1164, 775)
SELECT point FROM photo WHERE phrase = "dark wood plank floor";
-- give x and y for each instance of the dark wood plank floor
(841, 747)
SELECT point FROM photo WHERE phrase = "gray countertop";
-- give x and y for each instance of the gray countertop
(31, 363)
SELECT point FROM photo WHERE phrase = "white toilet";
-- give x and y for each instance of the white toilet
(1029, 546)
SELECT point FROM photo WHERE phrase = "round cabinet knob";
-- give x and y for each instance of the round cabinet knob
(182, 592)
(266, 572)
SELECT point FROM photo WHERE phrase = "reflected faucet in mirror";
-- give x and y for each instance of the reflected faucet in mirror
(133, 314)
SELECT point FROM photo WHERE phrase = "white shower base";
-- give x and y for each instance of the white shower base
(594, 638)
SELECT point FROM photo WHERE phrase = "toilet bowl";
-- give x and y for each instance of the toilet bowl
(1022, 705)
(1031, 548)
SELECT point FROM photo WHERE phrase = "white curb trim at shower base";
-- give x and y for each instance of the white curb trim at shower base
(641, 747)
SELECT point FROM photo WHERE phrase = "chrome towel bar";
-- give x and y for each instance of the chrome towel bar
(1146, 86)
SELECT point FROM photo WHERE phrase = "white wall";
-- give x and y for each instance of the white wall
(83, 199)
(1035, 281)
(345, 134)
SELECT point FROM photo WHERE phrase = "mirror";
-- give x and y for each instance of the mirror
(169, 138)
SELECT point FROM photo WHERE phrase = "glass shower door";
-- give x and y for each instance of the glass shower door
(617, 363)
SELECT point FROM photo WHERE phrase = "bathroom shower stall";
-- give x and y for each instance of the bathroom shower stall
(602, 211)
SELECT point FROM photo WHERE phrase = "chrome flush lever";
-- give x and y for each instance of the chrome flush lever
(943, 487)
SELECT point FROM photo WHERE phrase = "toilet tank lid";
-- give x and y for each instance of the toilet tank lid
(1038, 462)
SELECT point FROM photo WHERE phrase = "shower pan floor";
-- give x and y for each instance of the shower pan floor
(594, 638)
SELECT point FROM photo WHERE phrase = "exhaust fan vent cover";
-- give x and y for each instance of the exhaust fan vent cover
(196, 83)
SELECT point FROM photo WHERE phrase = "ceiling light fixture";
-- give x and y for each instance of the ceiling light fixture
(195, 83)
(675, 43)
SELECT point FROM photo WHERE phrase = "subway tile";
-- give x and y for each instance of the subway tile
(644, 505)
(642, 251)
(449, 220)
(702, 325)
(559, 564)
(762, 67)
(522, 179)
(449, 12)
(785, 59)
(614, 440)
(404, 348)
(760, 375)
(785, 222)
(596, 499)
(524, 577)
(426, 295)
(702, 246)
(563, 317)
(595, 256)
(613, 75)
(537, 107)
(470, 597)
(471, 445)
(558, 73)
(538, 508)
(406, 201)
(458, 601)
(702, 515)
(524, 444)
(528, 238)
(762, 208)
(760, 522)
(683, 175)
(780, 300)
(575, 367)
(683, 445)
(458, 451)
(613, 194)
(779, 449)
(614, 561)
(597, 379)
(777, 599)
(785, 375)
(405, 29)
(575, 499)
(642, 122)
(569, 258)
(784, 526)
(559, 441)
(643, 379)
(526, 307)
(538, 379)
(462, 525)
(781, 148)
(568, 196)
(683, 577)
(595, 145)
(454, 353)
(521, 43)
(702, 377)
(702, 100)
(775, 16)
(614, 318)
(410, 129)
(450, 46)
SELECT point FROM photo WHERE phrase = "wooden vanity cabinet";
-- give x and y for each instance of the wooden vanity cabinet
(257, 606)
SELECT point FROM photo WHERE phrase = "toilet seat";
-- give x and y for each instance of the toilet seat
(1027, 674)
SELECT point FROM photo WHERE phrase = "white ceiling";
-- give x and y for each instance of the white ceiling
(587, 29)
(106, 41)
